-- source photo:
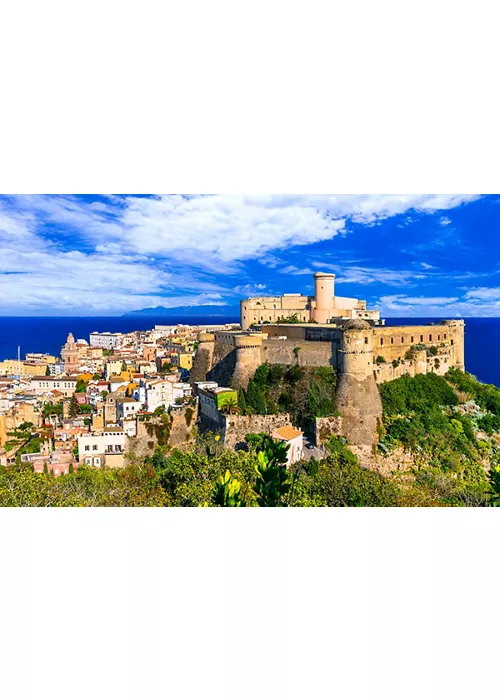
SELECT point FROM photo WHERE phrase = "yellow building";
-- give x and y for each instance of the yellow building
(186, 360)
(28, 369)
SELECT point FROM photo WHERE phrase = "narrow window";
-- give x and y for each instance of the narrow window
(381, 341)
(402, 340)
(411, 339)
(430, 338)
(392, 341)
(366, 341)
(421, 338)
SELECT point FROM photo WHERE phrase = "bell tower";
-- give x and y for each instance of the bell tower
(70, 352)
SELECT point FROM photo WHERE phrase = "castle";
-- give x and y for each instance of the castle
(362, 350)
(323, 307)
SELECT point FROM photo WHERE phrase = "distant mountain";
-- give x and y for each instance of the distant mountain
(206, 311)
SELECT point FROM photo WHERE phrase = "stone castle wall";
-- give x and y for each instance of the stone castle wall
(233, 429)
(181, 431)
(352, 350)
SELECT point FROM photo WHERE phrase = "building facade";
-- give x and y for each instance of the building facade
(323, 307)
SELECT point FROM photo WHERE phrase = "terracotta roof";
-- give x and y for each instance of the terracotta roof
(287, 433)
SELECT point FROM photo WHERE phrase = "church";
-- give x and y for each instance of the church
(323, 307)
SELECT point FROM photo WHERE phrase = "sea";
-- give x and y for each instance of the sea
(48, 334)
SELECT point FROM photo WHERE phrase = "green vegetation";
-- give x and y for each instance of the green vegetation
(137, 485)
(293, 318)
(305, 393)
(81, 386)
(51, 409)
(449, 425)
(74, 407)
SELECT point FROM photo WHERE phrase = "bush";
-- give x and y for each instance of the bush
(419, 394)
(340, 481)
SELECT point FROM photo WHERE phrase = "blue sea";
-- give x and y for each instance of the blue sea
(482, 335)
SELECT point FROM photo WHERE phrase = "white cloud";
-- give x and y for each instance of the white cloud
(138, 249)
(248, 289)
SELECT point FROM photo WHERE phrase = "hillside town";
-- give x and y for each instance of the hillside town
(98, 399)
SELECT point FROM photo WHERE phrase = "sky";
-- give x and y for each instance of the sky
(99, 255)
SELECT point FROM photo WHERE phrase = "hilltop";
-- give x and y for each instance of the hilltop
(207, 310)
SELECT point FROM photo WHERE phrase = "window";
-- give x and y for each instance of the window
(430, 338)
(445, 336)
(95, 448)
(421, 338)
(392, 341)
(87, 448)
(366, 341)
(411, 339)
(381, 341)
(402, 341)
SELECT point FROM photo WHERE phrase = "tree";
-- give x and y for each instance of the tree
(81, 386)
(230, 405)
(495, 484)
(255, 398)
(242, 403)
(272, 484)
(227, 492)
(47, 371)
(74, 407)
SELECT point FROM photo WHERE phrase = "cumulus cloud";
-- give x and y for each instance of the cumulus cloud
(123, 252)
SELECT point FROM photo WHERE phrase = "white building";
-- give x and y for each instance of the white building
(181, 392)
(105, 340)
(159, 392)
(294, 439)
(65, 385)
(127, 408)
(95, 449)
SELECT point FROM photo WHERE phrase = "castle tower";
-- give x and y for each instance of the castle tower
(324, 284)
(457, 330)
(248, 358)
(358, 398)
(204, 358)
(70, 354)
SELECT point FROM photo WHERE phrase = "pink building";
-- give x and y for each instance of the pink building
(57, 462)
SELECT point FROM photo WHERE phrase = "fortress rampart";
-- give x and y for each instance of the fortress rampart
(363, 354)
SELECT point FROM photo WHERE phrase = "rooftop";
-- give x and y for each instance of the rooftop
(287, 433)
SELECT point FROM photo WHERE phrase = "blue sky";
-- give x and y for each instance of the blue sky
(407, 255)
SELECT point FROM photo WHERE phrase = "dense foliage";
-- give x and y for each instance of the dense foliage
(419, 394)
(449, 424)
(305, 393)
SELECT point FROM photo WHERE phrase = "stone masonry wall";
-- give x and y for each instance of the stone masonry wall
(326, 427)
(236, 427)
(310, 354)
(181, 431)
(233, 429)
